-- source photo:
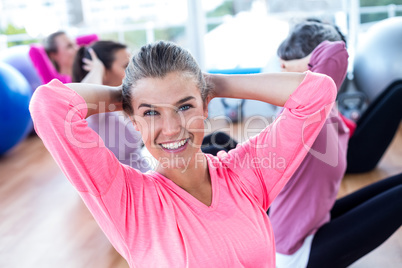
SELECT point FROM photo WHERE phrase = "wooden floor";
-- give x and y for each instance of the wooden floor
(44, 223)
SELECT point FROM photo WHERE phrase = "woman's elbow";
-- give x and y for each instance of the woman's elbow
(329, 91)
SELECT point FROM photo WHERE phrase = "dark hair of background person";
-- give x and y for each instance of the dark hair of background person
(306, 36)
(105, 51)
(343, 37)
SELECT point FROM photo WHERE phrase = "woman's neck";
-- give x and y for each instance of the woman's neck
(193, 178)
(66, 71)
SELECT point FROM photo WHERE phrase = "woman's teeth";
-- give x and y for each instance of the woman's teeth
(173, 145)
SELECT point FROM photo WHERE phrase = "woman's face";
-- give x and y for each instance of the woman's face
(114, 76)
(299, 65)
(66, 50)
(169, 113)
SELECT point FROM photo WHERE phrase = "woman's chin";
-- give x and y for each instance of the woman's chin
(181, 162)
(174, 162)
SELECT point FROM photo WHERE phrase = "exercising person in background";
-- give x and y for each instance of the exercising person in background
(104, 63)
(311, 227)
(61, 50)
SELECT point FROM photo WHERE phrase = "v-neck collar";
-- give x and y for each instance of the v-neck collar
(186, 195)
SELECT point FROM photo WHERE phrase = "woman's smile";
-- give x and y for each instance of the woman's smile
(176, 146)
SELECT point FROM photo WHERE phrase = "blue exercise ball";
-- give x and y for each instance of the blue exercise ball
(18, 57)
(378, 59)
(15, 119)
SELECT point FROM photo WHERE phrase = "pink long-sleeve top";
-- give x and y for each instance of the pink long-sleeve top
(304, 204)
(150, 220)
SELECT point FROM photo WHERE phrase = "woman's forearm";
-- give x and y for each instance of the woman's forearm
(93, 77)
(274, 88)
(99, 98)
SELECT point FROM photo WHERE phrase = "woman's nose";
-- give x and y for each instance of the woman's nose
(172, 125)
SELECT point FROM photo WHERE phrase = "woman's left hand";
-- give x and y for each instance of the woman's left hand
(94, 67)
(94, 64)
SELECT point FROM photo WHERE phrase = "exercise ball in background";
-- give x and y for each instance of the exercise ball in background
(378, 60)
(15, 119)
(18, 57)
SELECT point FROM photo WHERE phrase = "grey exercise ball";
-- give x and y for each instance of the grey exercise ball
(378, 60)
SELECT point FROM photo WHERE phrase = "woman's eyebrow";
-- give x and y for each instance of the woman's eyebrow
(177, 103)
(184, 100)
(146, 105)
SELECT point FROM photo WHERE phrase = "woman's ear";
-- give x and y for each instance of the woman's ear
(134, 123)
(209, 98)
(106, 77)
(52, 57)
(206, 111)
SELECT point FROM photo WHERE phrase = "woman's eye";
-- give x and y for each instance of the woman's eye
(185, 107)
(150, 112)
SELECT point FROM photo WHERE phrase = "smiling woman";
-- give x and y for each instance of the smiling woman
(194, 210)
(173, 109)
